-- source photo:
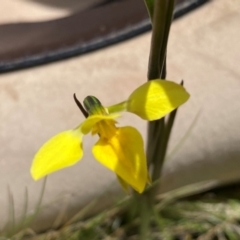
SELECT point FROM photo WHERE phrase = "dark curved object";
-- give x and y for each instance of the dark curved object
(29, 44)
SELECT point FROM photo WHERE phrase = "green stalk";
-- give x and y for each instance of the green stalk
(157, 141)
(145, 218)
(161, 12)
(163, 145)
(162, 17)
(150, 6)
(143, 207)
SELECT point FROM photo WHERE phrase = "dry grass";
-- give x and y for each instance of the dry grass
(183, 214)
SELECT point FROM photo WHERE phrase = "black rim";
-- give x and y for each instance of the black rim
(94, 44)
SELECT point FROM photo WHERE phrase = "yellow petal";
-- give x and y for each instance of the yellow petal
(89, 123)
(124, 154)
(156, 98)
(63, 150)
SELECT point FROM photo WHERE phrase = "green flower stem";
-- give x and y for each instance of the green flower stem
(162, 18)
(155, 128)
(157, 141)
(150, 6)
(142, 202)
(161, 13)
(145, 217)
(163, 145)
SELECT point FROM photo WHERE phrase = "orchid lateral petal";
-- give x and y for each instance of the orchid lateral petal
(123, 153)
(61, 151)
(156, 98)
(120, 107)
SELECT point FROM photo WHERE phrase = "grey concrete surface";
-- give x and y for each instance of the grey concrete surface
(37, 103)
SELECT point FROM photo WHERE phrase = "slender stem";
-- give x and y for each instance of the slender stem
(156, 42)
(155, 128)
(150, 6)
(163, 144)
(162, 18)
(145, 215)
(155, 132)
(158, 133)
(163, 12)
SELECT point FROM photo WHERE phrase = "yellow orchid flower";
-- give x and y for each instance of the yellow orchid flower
(120, 149)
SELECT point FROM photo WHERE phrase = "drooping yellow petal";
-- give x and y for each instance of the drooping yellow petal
(156, 98)
(124, 154)
(61, 151)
